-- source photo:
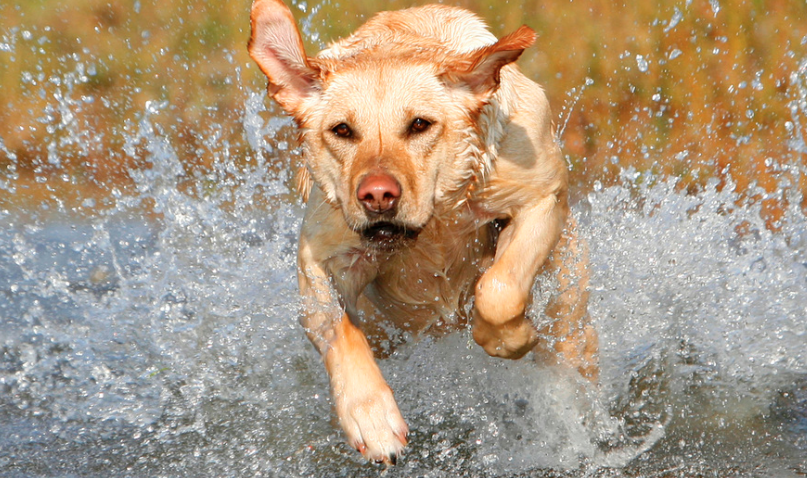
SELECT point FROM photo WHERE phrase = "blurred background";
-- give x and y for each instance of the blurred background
(693, 89)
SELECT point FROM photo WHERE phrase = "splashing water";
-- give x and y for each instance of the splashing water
(167, 343)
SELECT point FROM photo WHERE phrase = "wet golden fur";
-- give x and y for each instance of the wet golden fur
(483, 188)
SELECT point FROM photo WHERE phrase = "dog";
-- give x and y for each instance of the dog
(436, 194)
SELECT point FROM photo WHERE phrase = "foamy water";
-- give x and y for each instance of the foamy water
(170, 346)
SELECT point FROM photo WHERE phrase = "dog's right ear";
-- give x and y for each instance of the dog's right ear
(479, 70)
(277, 48)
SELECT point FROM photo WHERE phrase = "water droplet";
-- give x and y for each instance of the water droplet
(676, 18)
(715, 6)
(642, 63)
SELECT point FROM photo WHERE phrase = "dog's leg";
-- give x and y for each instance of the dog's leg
(570, 337)
(363, 401)
(330, 283)
(503, 292)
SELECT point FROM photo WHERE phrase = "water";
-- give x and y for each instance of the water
(154, 332)
(132, 347)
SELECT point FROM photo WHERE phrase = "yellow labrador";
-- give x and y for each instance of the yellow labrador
(436, 195)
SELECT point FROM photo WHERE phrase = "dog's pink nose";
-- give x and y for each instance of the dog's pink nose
(379, 193)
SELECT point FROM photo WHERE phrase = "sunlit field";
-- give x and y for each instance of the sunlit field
(689, 89)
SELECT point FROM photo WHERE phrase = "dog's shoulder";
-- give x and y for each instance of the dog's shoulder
(451, 28)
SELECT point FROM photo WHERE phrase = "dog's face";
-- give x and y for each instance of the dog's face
(389, 132)
(383, 140)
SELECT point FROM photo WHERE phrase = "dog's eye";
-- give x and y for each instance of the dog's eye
(342, 130)
(419, 125)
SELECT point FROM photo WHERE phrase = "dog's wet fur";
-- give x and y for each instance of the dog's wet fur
(432, 175)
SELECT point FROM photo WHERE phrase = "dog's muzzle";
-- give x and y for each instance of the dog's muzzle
(388, 236)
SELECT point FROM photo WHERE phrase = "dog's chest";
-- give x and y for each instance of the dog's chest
(430, 282)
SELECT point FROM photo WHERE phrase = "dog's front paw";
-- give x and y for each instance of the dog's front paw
(511, 339)
(362, 399)
(372, 422)
(500, 325)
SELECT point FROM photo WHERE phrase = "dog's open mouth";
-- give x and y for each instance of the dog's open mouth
(388, 236)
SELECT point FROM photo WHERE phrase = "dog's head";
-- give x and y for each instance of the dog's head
(389, 131)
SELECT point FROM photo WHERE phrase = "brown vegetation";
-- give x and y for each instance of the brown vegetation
(692, 89)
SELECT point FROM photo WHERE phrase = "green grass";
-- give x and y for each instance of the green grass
(678, 88)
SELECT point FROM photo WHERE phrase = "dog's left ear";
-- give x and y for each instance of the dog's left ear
(479, 70)
(277, 48)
